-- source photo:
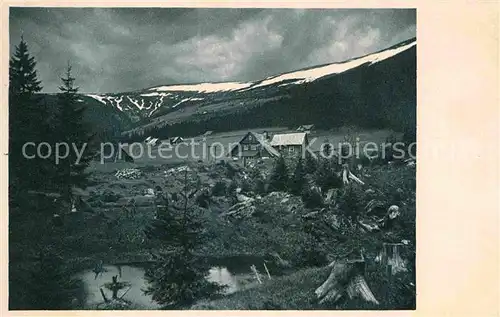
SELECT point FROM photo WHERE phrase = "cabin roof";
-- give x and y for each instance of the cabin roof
(288, 139)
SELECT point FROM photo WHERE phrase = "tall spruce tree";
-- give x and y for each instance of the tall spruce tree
(27, 123)
(72, 131)
(298, 180)
(46, 285)
(310, 164)
(178, 278)
(326, 176)
(279, 176)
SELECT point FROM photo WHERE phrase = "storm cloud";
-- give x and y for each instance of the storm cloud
(115, 50)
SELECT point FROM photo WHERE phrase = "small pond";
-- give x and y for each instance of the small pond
(236, 274)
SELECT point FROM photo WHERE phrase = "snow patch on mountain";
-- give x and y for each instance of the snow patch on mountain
(155, 94)
(183, 100)
(98, 98)
(134, 102)
(146, 102)
(118, 101)
(312, 74)
(205, 87)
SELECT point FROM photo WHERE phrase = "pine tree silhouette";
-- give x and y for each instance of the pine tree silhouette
(178, 278)
(279, 176)
(72, 131)
(298, 180)
(310, 164)
(28, 122)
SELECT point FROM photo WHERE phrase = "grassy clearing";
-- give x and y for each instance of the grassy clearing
(295, 291)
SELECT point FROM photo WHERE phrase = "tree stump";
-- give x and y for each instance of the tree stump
(98, 269)
(346, 278)
(391, 261)
(390, 258)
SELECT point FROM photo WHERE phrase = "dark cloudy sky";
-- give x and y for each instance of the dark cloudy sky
(115, 50)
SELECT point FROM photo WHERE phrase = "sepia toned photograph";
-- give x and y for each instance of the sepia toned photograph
(212, 159)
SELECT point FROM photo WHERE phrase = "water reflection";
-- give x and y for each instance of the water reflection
(134, 292)
(221, 275)
(136, 283)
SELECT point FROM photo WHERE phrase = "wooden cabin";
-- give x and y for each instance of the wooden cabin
(290, 143)
(253, 146)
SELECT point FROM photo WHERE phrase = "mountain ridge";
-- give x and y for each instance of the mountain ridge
(376, 90)
(140, 104)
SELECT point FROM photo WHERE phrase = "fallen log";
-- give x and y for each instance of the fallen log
(267, 271)
(368, 225)
(348, 176)
(346, 278)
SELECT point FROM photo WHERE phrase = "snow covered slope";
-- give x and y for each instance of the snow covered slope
(205, 87)
(160, 100)
(309, 75)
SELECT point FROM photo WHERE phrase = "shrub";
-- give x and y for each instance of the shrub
(246, 186)
(203, 199)
(230, 171)
(351, 201)
(310, 255)
(231, 189)
(311, 198)
(326, 176)
(298, 179)
(110, 197)
(219, 189)
(259, 186)
(279, 176)
(310, 164)
(231, 192)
